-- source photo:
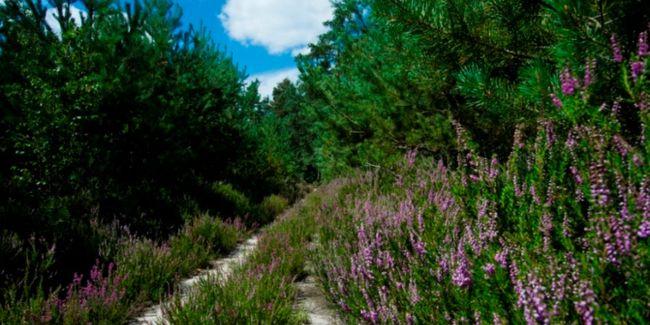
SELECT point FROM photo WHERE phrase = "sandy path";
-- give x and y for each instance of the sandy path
(312, 301)
(222, 268)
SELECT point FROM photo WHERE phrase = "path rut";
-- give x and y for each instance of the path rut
(221, 268)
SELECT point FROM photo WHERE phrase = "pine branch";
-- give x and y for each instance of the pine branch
(471, 40)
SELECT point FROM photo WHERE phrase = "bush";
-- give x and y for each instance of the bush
(231, 202)
(262, 289)
(557, 233)
(271, 207)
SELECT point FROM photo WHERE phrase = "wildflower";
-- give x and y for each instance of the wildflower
(413, 293)
(494, 169)
(502, 258)
(409, 319)
(616, 49)
(599, 190)
(590, 66)
(537, 295)
(461, 276)
(585, 306)
(410, 157)
(621, 145)
(489, 269)
(637, 68)
(643, 44)
(569, 83)
(556, 101)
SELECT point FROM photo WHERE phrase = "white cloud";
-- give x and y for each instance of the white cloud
(268, 80)
(302, 50)
(278, 25)
(51, 18)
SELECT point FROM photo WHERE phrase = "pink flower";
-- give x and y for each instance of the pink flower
(616, 49)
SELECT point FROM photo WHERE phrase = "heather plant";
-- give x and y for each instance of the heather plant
(262, 289)
(271, 207)
(151, 269)
(556, 233)
(97, 299)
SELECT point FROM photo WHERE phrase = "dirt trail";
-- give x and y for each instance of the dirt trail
(312, 301)
(221, 268)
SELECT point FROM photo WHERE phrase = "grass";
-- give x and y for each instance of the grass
(144, 271)
(261, 290)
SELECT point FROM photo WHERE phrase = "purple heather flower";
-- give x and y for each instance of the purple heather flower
(616, 49)
(494, 169)
(643, 44)
(590, 66)
(501, 257)
(556, 101)
(637, 68)
(411, 155)
(414, 296)
(621, 145)
(585, 306)
(644, 229)
(599, 190)
(616, 107)
(537, 296)
(569, 83)
(409, 319)
(461, 276)
(489, 269)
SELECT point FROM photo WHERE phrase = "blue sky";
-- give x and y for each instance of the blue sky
(262, 36)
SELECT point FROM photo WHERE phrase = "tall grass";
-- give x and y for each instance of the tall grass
(261, 290)
(144, 271)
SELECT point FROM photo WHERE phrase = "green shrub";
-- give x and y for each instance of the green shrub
(151, 269)
(262, 289)
(207, 236)
(230, 201)
(271, 207)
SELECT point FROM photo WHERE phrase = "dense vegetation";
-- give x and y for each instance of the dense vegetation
(522, 197)
(119, 116)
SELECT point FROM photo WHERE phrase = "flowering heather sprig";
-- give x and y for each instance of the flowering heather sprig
(637, 68)
(566, 226)
(590, 67)
(489, 269)
(533, 194)
(461, 276)
(557, 102)
(621, 145)
(98, 291)
(518, 142)
(536, 293)
(599, 189)
(414, 295)
(569, 82)
(494, 169)
(549, 130)
(616, 49)
(411, 155)
(585, 306)
(643, 44)
(418, 245)
(546, 227)
(501, 257)
(643, 203)
(616, 107)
